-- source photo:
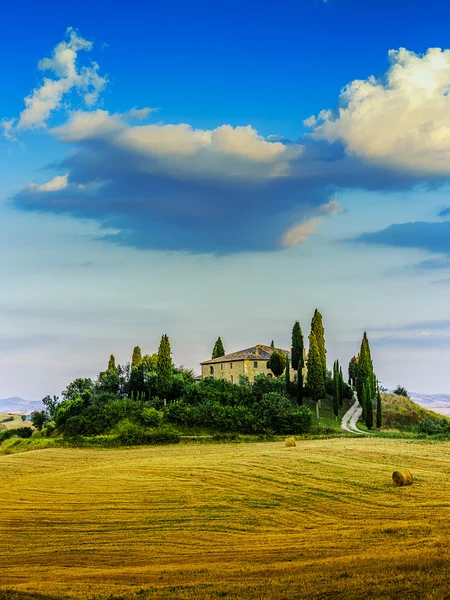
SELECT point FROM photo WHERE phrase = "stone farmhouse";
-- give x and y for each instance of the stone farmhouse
(251, 362)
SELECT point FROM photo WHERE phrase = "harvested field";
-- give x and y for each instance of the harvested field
(320, 520)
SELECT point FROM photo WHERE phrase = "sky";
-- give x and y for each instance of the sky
(204, 168)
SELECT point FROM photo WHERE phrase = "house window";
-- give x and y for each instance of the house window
(231, 365)
(211, 371)
(221, 367)
(232, 380)
(269, 375)
(255, 364)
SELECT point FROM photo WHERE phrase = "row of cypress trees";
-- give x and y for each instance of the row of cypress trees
(362, 377)
(161, 363)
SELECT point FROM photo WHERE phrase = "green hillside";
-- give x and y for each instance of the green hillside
(402, 413)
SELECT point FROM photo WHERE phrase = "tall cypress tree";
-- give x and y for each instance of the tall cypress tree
(272, 344)
(318, 331)
(287, 376)
(300, 382)
(363, 401)
(315, 378)
(112, 363)
(365, 368)
(218, 349)
(369, 411)
(137, 357)
(352, 371)
(297, 346)
(341, 387)
(379, 416)
(164, 373)
(336, 389)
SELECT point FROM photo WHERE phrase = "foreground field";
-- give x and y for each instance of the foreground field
(321, 520)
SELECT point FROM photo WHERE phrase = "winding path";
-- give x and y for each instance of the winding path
(351, 417)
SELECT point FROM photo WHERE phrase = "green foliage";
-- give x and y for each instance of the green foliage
(364, 369)
(315, 377)
(150, 363)
(337, 389)
(369, 409)
(21, 432)
(287, 375)
(78, 387)
(164, 368)
(317, 330)
(430, 427)
(277, 363)
(136, 359)
(112, 363)
(272, 344)
(39, 418)
(379, 417)
(401, 391)
(51, 404)
(151, 417)
(218, 349)
(244, 380)
(352, 370)
(129, 434)
(297, 347)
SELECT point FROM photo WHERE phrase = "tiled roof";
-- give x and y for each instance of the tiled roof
(258, 352)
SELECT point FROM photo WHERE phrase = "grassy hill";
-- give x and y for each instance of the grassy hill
(402, 413)
(321, 520)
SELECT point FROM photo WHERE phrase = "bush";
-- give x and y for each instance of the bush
(162, 436)
(430, 427)
(151, 417)
(178, 413)
(21, 432)
(129, 433)
(50, 430)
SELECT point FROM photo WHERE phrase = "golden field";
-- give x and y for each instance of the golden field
(319, 520)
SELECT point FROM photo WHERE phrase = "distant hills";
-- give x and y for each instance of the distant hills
(19, 405)
(439, 403)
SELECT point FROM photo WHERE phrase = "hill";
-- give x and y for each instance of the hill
(321, 520)
(402, 413)
(19, 405)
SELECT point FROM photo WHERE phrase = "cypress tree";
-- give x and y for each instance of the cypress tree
(379, 416)
(363, 402)
(300, 382)
(336, 387)
(287, 376)
(318, 331)
(297, 347)
(164, 373)
(365, 367)
(315, 378)
(272, 344)
(352, 371)
(277, 363)
(218, 349)
(369, 412)
(137, 357)
(112, 363)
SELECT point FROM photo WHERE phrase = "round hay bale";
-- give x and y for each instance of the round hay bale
(290, 443)
(402, 478)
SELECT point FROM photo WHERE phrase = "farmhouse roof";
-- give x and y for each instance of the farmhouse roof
(258, 352)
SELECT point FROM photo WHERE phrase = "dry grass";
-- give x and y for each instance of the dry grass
(402, 478)
(290, 443)
(322, 520)
(13, 424)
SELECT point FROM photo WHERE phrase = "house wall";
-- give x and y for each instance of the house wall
(231, 370)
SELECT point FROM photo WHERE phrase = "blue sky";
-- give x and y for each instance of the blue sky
(208, 169)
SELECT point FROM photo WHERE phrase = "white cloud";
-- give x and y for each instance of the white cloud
(301, 232)
(225, 151)
(401, 119)
(57, 183)
(65, 76)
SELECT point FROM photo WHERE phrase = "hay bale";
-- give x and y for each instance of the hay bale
(402, 478)
(290, 443)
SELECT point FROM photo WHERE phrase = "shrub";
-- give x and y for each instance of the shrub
(21, 432)
(178, 413)
(151, 417)
(129, 433)
(164, 435)
(50, 430)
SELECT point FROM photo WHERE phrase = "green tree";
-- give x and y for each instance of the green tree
(287, 375)
(318, 331)
(365, 367)
(297, 346)
(300, 390)
(352, 371)
(401, 391)
(363, 401)
(277, 363)
(218, 349)
(150, 363)
(369, 411)
(164, 368)
(39, 418)
(315, 376)
(80, 386)
(272, 344)
(51, 404)
(379, 416)
(137, 357)
(112, 363)
(337, 389)
(341, 387)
